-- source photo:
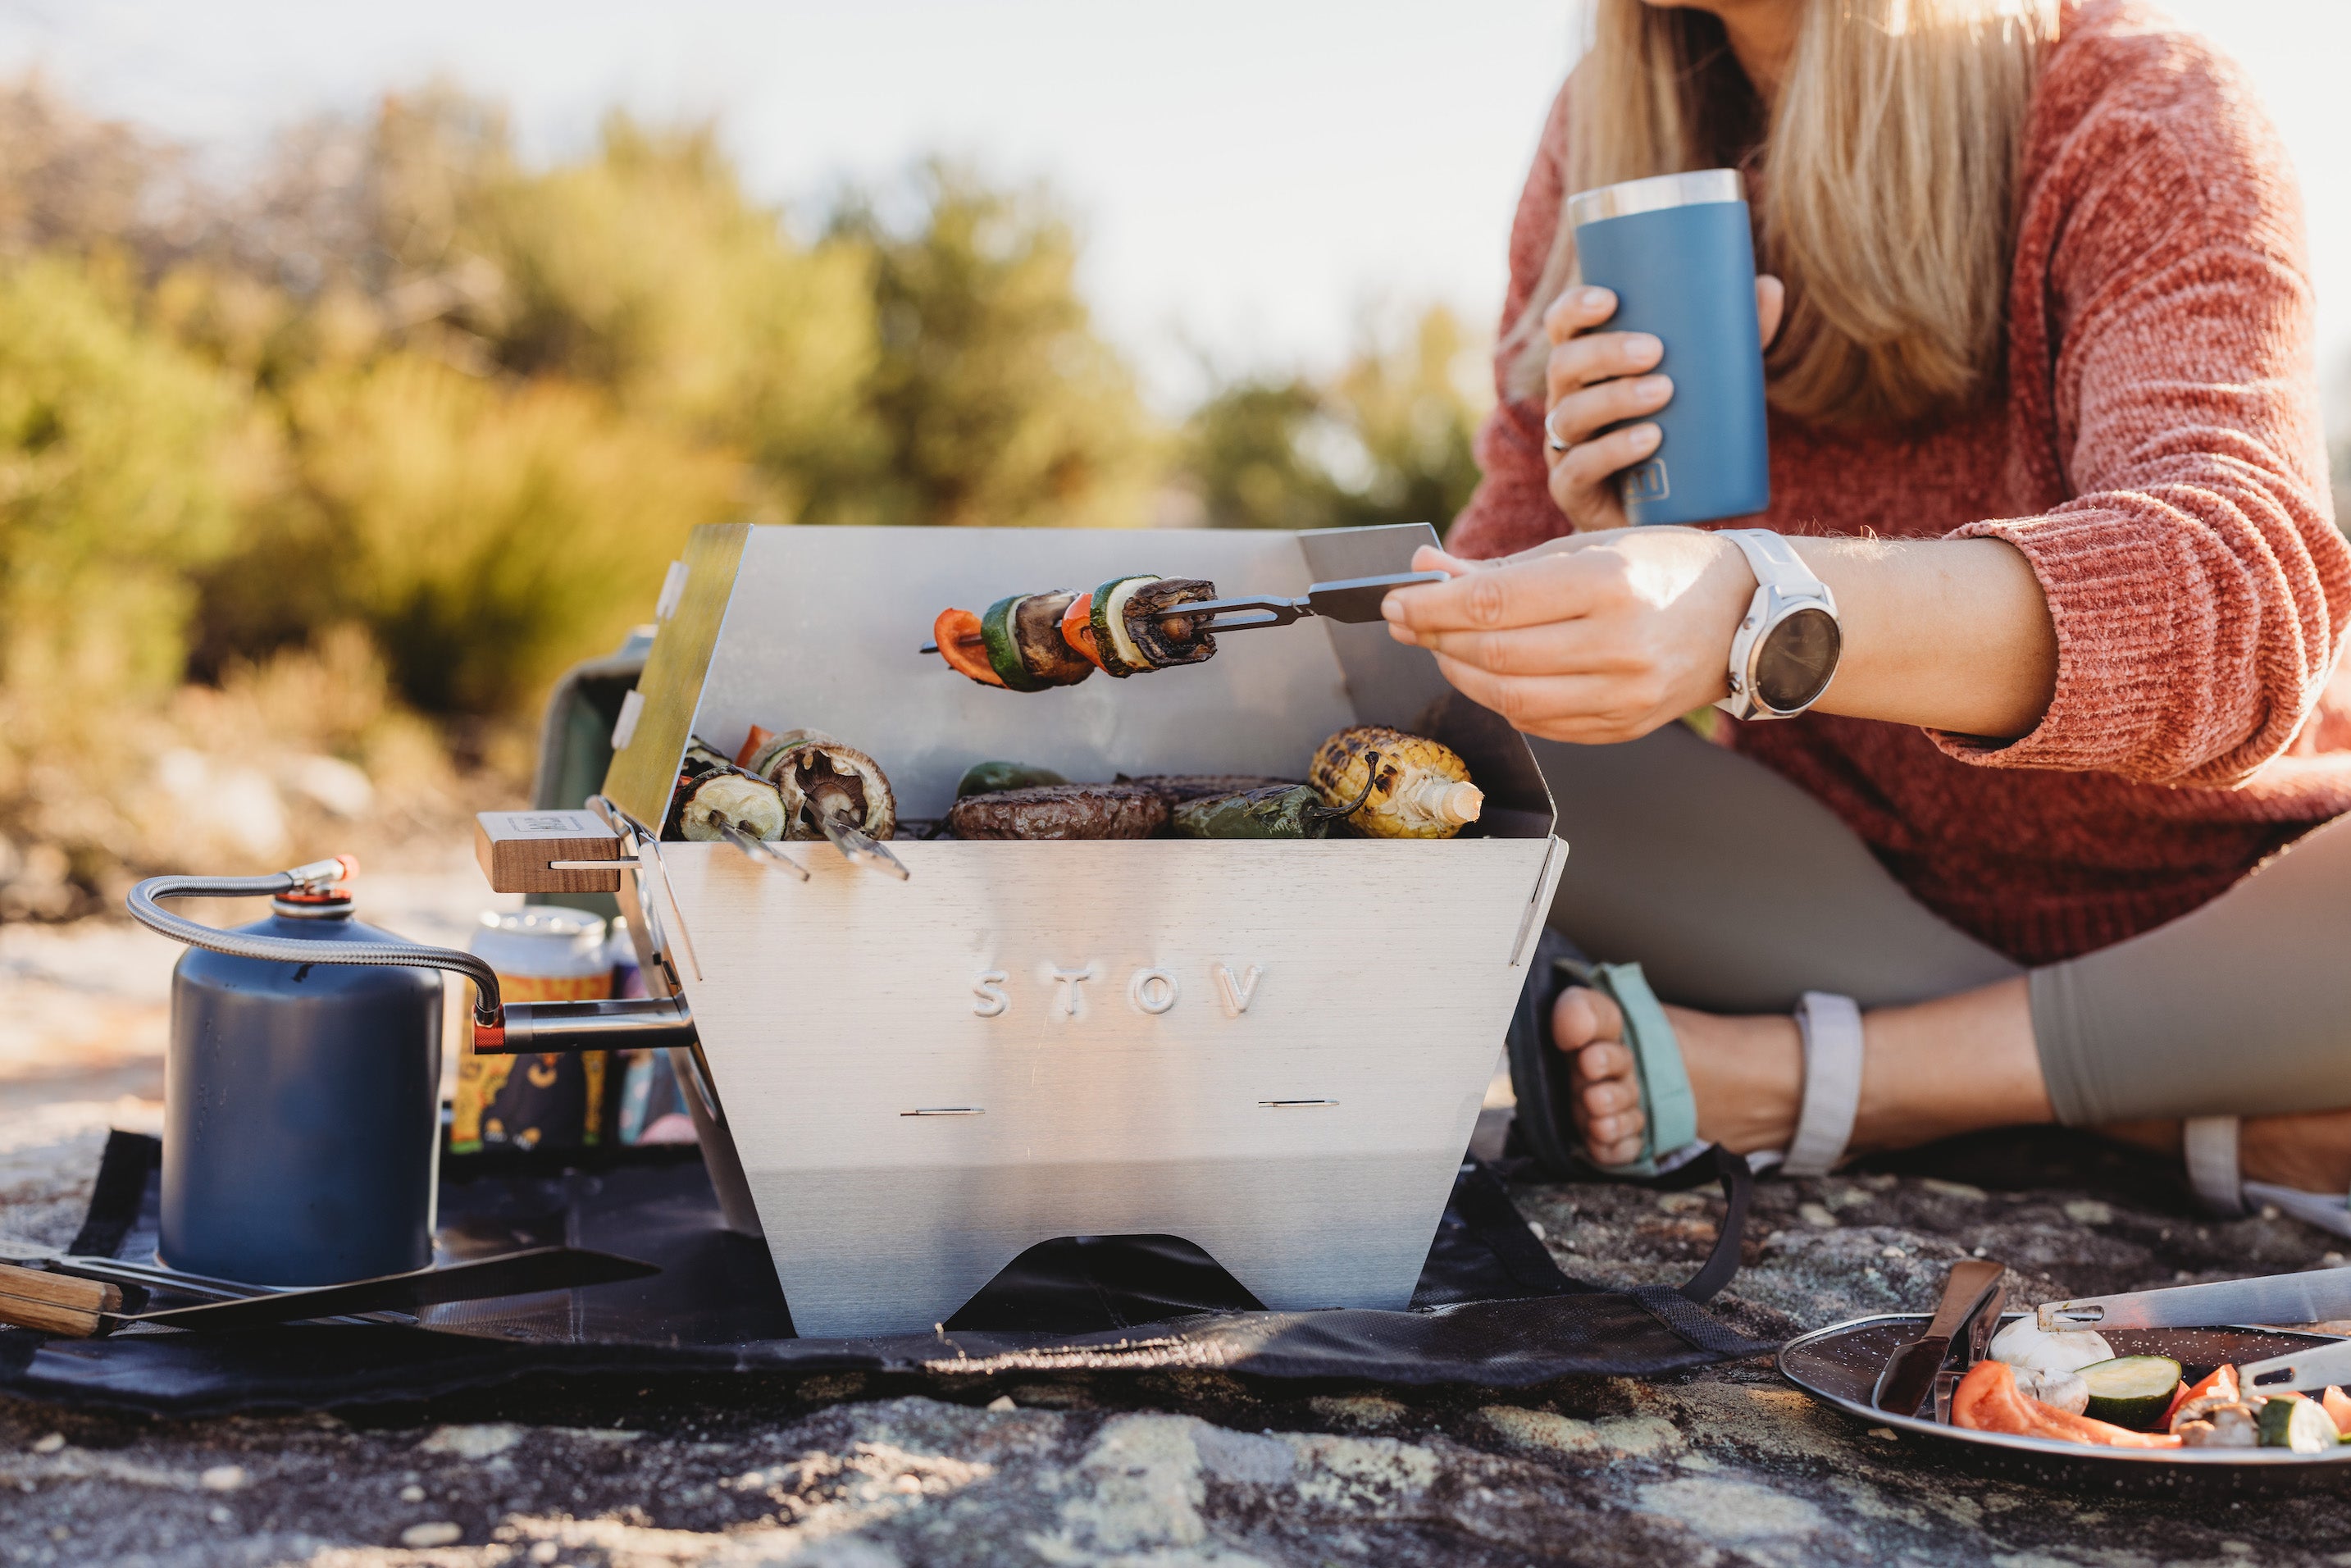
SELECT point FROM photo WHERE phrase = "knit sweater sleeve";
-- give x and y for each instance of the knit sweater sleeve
(1512, 509)
(2198, 585)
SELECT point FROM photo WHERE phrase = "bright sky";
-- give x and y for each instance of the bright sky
(1252, 175)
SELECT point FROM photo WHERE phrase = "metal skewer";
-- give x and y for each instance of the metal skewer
(759, 849)
(1352, 600)
(860, 848)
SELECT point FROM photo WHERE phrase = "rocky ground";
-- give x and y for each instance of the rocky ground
(1729, 1466)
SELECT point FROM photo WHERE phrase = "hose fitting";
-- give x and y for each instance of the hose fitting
(489, 1012)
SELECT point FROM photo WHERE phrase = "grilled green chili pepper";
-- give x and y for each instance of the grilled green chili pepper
(1275, 811)
(989, 777)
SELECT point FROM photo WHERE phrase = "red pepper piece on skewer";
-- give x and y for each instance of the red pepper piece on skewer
(963, 646)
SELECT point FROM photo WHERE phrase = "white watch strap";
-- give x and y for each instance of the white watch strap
(2209, 1145)
(1780, 575)
(1774, 560)
(1831, 1026)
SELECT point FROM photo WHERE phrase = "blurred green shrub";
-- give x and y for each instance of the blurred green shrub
(997, 404)
(123, 462)
(401, 380)
(489, 534)
(400, 424)
(1387, 439)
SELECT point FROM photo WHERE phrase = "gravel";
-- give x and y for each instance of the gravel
(1729, 1466)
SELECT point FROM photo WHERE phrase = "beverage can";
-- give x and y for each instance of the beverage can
(549, 1100)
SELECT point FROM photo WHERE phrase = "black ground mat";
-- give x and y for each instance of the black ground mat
(1490, 1308)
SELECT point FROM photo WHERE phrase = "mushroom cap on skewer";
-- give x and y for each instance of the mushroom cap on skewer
(823, 778)
(1156, 624)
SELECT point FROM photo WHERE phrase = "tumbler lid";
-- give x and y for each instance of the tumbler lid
(1691, 188)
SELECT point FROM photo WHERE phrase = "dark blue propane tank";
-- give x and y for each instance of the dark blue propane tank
(301, 1109)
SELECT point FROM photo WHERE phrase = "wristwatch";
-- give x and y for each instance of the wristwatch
(1785, 652)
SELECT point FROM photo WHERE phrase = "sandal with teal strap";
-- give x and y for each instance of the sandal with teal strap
(2209, 1144)
(1540, 1073)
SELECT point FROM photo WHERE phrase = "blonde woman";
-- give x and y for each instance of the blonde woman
(2065, 836)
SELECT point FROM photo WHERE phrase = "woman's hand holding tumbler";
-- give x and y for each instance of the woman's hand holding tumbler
(1595, 378)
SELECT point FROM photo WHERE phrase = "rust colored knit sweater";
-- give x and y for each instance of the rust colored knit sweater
(2155, 453)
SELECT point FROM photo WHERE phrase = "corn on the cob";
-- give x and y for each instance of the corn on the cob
(1422, 789)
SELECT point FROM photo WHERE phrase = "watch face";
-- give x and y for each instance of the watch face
(1794, 666)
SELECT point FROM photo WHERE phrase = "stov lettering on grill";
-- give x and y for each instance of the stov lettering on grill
(1150, 990)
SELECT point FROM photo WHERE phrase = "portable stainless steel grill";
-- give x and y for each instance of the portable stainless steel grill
(1276, 1050)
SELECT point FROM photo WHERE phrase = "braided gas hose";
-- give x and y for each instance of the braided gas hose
(489, 1013)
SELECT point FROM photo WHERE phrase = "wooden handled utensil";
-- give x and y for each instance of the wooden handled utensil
(83, 1309)
(57, 1303)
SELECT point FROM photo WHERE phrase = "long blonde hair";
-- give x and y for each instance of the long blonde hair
(1885, 174)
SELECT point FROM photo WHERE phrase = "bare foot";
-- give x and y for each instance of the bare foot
(2311, 1151)
(1747, 1074)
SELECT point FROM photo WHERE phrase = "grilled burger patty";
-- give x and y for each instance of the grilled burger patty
(1177, 788)
(1060, 812)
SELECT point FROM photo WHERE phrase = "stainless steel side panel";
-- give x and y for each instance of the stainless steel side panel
(920, 1086)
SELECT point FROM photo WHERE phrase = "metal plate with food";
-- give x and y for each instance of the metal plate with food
(1844, 1364)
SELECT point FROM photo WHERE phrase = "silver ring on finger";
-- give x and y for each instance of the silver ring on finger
(1552, 437)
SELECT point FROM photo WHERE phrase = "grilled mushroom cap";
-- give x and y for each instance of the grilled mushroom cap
(1036, 634)
(1162, 633)
(777, 745)
(822, 778)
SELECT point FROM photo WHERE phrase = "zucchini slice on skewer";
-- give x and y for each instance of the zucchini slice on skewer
(1114, 644)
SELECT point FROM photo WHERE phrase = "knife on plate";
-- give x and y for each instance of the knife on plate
(1908, 1380)
(2312, 1296)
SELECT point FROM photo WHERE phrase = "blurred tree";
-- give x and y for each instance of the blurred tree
(490, 534)
(632, 302)
(1385, 440)
(70, 181)
(998, 404)
(645, 271)
(123, 463)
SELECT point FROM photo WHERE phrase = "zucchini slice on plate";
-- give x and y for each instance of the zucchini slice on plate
(2291, 1421)
(2133, 1391)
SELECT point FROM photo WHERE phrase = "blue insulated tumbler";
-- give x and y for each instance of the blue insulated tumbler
(1678, 252)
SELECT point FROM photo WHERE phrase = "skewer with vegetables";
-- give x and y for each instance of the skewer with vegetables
(1030, 641)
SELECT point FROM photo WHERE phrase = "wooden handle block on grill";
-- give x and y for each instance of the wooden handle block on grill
(55, 1303)
(515, 847)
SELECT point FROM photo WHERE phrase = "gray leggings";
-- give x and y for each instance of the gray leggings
(1738, 891)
